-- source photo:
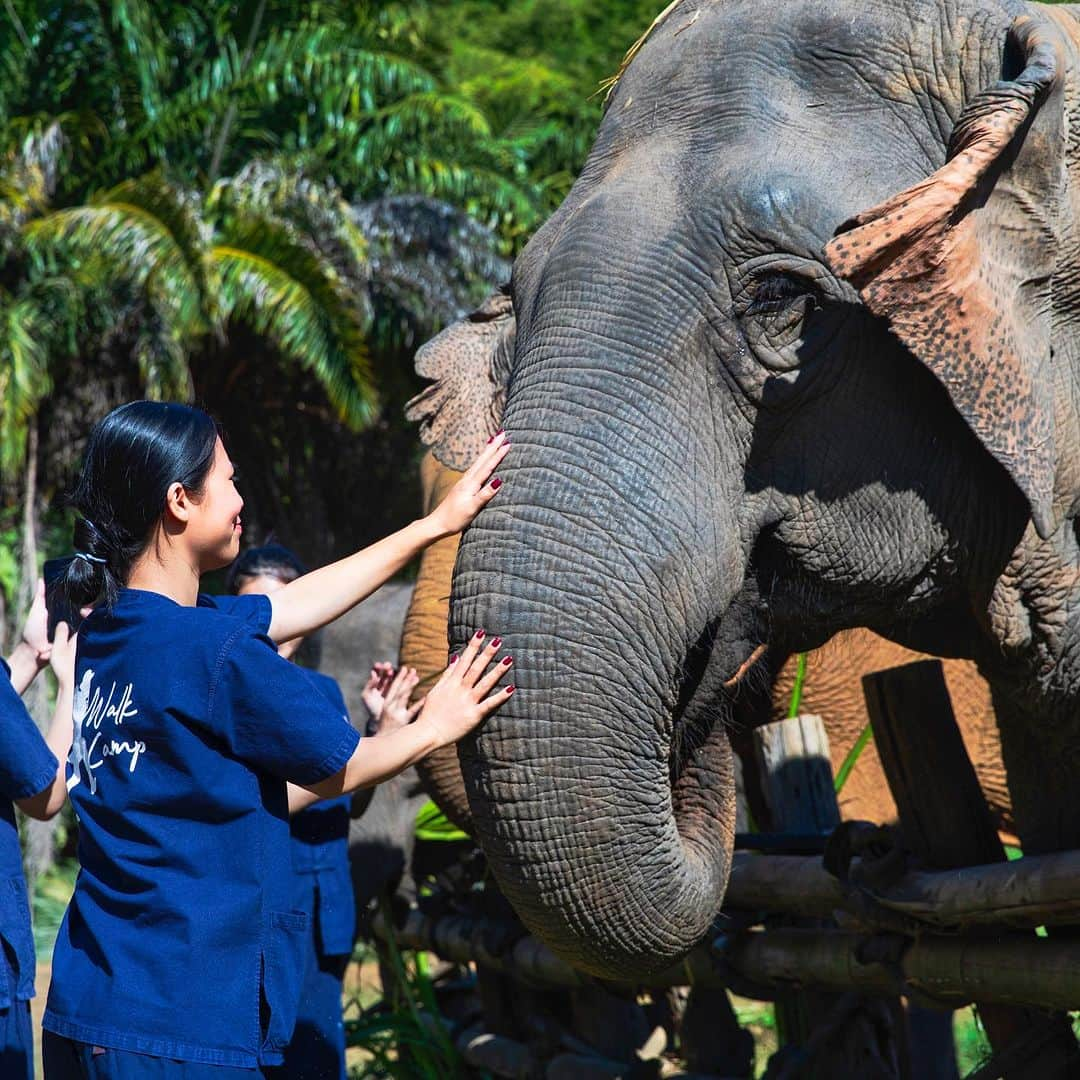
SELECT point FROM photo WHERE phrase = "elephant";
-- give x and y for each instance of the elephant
(797, 353)
(832, 687)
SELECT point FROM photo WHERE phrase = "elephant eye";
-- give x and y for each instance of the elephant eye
(774, 293)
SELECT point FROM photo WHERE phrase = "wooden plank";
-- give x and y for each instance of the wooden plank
(796, 775)
(946, 822)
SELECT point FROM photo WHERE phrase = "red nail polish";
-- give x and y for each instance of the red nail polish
(491, 440)
(496, 484)
(496, 642)
(507, 661)
(453, 659)
(480, 635)
(510, 690)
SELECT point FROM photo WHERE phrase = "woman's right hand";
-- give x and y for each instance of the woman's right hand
(460, 699)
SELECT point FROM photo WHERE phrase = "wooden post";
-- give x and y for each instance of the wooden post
(946, 823)
(797, 784)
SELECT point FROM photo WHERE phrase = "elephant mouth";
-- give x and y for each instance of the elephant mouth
(699, 723)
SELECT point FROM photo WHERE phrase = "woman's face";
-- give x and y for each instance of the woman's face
(213, 526)
(265, 584)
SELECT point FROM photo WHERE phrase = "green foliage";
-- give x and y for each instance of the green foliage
(797, 688)
(118, 120)
(52, 892)
(404, 1035)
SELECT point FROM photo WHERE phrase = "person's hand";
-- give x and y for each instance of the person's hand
(35, 631)
(375, 689)
(62, 656)
(460, 699)
(473, 491)
(397, 712)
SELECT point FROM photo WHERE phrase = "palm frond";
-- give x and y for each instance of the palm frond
(150, 232)
(24, 373)
(315, 211)
(294, 298)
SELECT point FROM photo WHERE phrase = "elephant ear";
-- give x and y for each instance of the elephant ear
(469, 363)
(960, 264)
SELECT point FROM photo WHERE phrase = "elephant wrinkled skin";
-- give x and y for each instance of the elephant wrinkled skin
(832, 689)
(798, 353)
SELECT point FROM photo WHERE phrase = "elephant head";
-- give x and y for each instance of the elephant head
(747, 408)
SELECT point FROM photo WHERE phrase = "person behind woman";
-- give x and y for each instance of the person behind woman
(322, 882)
(31, 779)
(180, 955)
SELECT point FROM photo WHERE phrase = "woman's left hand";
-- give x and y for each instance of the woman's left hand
(35, 631)
(473, 491)
(376, 688)
(397, 712)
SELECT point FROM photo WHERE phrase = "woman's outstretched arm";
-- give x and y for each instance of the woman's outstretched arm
(31, 654)
(48, 802)
(315, 599)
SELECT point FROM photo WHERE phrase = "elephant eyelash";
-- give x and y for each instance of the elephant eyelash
(776, 292)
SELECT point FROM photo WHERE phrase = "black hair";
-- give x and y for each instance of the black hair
(278, 562)
(133, 456)
(269, 560)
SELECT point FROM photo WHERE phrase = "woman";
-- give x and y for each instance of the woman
(180, 955)
(31, 779)
(322, 882)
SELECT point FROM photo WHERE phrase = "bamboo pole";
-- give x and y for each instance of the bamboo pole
(1042, 972)
(1024, 970)
(1038, 890)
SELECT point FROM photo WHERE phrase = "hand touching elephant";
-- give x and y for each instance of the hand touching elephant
(832, 690)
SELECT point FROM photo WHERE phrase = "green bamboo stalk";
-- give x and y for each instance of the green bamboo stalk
(851, 758)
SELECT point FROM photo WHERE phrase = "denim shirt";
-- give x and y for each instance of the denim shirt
(180, 940)
(27, 767)
(322, 881)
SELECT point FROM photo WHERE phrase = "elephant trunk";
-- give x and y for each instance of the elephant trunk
(603, 791)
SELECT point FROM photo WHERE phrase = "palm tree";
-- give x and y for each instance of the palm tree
(197, 264)
(200, 89)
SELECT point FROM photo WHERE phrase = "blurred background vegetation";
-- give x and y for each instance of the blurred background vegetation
(265, 207)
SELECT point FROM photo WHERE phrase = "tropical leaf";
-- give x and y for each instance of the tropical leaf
(287, 293)
(24, 373)
(151, 232)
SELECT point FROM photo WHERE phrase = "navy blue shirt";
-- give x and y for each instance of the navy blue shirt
(27, 767)
(322, 882)
(180, 940)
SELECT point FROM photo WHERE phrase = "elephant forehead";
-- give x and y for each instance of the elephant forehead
(718, 68)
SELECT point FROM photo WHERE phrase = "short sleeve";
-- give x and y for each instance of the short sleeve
(27, 765)
(271, 715)
(253, 608)
(329, 688)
